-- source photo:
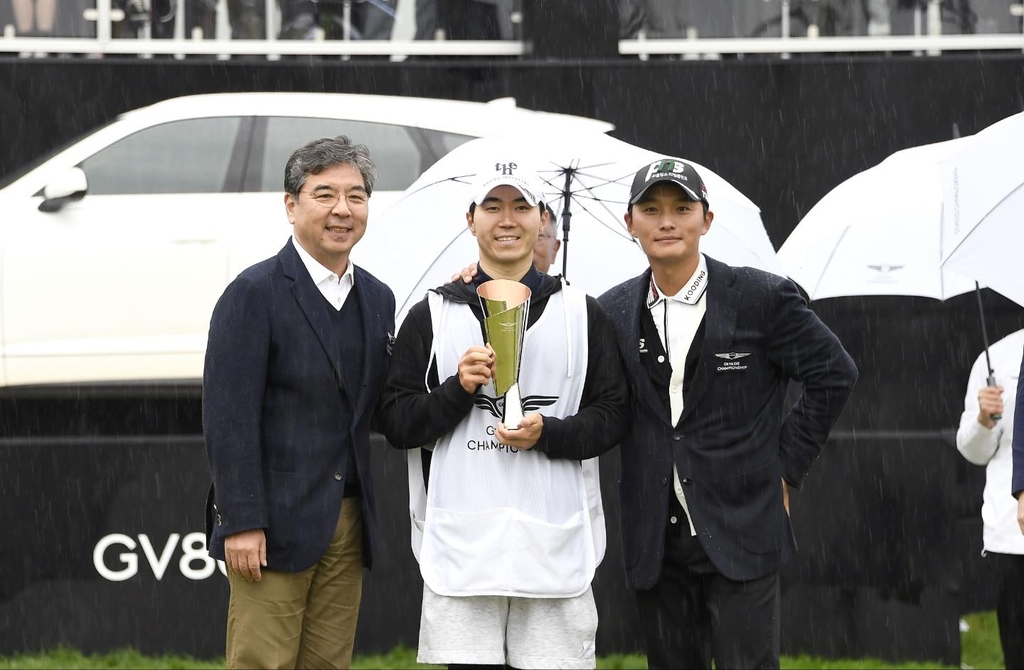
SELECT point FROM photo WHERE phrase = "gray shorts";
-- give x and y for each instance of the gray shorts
(495, 630)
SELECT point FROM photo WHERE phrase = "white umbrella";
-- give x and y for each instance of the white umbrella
(421, 240)
(983, 215)
(878, 233)
(884, 232)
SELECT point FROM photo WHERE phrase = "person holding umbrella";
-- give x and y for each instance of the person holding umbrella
(985, 437)
(507, 523)
(709, 351)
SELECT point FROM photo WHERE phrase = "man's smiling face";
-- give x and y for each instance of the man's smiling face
(668, 223)
(506, 226)
(329, 215)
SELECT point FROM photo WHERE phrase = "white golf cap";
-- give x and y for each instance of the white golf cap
(507, 173)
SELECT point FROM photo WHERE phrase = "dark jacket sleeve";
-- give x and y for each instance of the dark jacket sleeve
(410, 415)
(810, 353)
(377, 419)
(601, 421)
(234, 381)
(1018, 438)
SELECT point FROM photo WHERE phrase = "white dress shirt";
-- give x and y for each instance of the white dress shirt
(677, 318)
(333, 287)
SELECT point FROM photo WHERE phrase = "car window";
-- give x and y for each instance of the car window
(189, 156)
(399, 158)
(450, 140)
(439, 143)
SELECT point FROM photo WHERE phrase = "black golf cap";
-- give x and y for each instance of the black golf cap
(671, 170)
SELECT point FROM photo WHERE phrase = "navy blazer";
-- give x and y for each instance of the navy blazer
(277, 418)
(735, 439)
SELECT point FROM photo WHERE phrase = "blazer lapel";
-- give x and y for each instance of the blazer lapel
(311, 301)
(643, 386)
(719, 326)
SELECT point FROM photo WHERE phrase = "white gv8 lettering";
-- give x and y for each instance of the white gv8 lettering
(193, 548)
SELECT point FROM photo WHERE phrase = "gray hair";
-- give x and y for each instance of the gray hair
(554, 224)
(324, 153)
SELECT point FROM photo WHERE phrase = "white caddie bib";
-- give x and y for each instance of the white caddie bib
(502, 521)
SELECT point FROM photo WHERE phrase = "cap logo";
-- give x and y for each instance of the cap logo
(505, 168)
(673, 167)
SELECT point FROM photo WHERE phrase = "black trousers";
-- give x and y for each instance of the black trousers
(694, 615)
(1010, 607)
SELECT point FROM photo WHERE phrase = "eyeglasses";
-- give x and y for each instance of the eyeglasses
(328, 199)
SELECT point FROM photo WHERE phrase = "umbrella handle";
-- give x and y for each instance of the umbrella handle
(984, 336)
(992, 382)
(566, 218)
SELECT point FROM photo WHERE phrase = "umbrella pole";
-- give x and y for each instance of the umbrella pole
(566, 216)
(991, 380)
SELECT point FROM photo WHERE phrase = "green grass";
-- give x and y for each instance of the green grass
(980, 649)
(126, 658)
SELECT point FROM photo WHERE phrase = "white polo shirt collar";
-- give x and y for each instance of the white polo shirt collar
(691, 292)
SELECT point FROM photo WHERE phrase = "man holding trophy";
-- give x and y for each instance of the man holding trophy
(513, 385)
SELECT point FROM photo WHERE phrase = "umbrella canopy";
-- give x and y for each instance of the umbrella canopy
(878, 233)
(983, 214)
(421, 240)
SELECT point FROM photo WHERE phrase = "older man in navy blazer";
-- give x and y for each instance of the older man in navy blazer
(709, 351)
(298, 348)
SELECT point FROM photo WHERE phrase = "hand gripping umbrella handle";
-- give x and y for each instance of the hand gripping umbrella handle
(984, 336)
(992, 382)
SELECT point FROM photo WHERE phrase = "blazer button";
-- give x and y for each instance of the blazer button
(338, 476)
(687, 480)
(219, 522)
(664, 481)
(677, 437)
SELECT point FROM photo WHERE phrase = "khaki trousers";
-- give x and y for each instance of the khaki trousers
(301, 619)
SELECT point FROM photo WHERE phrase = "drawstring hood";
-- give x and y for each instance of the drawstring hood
(568, 332)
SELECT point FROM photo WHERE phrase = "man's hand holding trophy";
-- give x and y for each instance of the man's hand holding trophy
(506, 307)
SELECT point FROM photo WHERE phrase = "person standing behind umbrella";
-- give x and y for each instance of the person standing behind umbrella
(510, 528)
(298, 347)
(547, 246)
(984, 440)
(709, 351)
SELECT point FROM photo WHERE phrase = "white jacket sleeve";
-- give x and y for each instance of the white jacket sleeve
(977, 443)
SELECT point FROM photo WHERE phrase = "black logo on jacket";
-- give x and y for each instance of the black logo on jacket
(496, 406)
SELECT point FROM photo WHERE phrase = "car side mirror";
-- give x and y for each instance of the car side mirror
(68, 186)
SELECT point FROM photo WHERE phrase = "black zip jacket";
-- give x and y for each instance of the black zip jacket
(410, 416)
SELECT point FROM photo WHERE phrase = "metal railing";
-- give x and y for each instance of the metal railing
(932, 45)
(926, 40)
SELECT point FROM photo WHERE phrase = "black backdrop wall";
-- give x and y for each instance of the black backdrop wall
(888, 522)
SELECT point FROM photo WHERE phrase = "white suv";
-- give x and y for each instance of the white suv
(114, 251)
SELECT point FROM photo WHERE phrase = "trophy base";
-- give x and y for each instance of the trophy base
(513, 414)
